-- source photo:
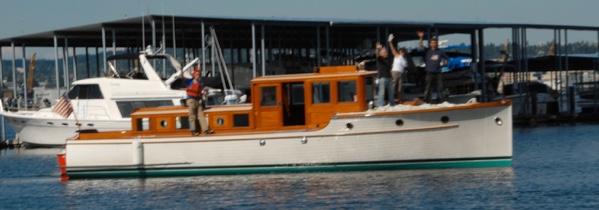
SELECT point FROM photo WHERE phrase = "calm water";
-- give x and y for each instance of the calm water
(554, 168)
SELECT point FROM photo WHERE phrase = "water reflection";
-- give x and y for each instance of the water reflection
(356, 189)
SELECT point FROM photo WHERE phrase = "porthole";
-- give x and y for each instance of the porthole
(262, 142)
(445, 119)
(498, 121)
(220, 121)
(50, 123)
(349, 126)
(163, 123)
(399, 122)
(65, 124)
(90, 124)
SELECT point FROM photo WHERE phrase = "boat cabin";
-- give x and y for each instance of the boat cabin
(280, 102)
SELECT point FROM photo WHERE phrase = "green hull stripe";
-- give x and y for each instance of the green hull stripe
(290, 169)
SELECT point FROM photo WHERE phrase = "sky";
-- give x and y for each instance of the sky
(19, 17)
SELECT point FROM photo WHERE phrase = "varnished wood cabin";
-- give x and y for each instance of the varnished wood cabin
(281, 102)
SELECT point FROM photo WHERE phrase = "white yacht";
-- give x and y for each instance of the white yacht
(102, 104)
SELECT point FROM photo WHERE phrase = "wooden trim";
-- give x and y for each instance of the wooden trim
(245, 136)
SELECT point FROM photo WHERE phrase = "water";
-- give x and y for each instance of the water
(554, 168)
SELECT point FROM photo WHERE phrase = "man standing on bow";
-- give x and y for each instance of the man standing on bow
(434, 59)
(195, 103)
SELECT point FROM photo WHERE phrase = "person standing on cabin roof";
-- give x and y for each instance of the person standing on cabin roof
(434, 59)
(398, 67)
(195, 103)
(383, 65)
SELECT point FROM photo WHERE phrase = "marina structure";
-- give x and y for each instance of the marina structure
(254, 47)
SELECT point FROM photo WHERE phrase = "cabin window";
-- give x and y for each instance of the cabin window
(346, 91)
(163, 123)
(241, 120)
(321, 92)
(85, 92)
(369, 88)
(269, 96)
(220, 121)
(182, 122)
(127, 107)
(143, 124)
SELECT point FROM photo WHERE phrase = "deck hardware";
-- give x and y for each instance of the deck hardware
(304, 140)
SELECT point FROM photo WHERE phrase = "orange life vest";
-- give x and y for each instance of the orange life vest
(194, 90)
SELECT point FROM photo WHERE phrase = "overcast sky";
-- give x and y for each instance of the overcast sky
(18, 17)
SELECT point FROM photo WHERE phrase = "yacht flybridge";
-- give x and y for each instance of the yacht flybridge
(295, 123)
(103, 104)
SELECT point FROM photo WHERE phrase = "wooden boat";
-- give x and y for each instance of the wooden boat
(297, 123)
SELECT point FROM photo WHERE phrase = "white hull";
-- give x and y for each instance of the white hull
(54, 131)
(470, 134)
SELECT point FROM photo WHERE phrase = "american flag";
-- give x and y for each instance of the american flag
(63, 107)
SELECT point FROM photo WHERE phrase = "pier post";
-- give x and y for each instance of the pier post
(174, 38)
(87, 62)
(143, 32)
(203, 48)
(481, 64)
(103, 50)
(263, 51)
(97, 63)
(328, 44)
(56, 74)
(153, 24)
(74, 63)
(114, 47)
(317, 47)
(2, 96)
(253, 52)
(14, 70)
(24, 63)
(65, 60)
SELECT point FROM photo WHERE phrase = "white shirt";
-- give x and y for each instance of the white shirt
(399, 64)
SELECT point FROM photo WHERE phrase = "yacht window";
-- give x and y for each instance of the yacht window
(182, 123)
(241, 120)
(85, 92)
(74, 92)
(269, 96)
(128, 107)
(321, 92)
(346, 91)
(143, 124)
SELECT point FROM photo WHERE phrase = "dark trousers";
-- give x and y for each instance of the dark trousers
(430, 77)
